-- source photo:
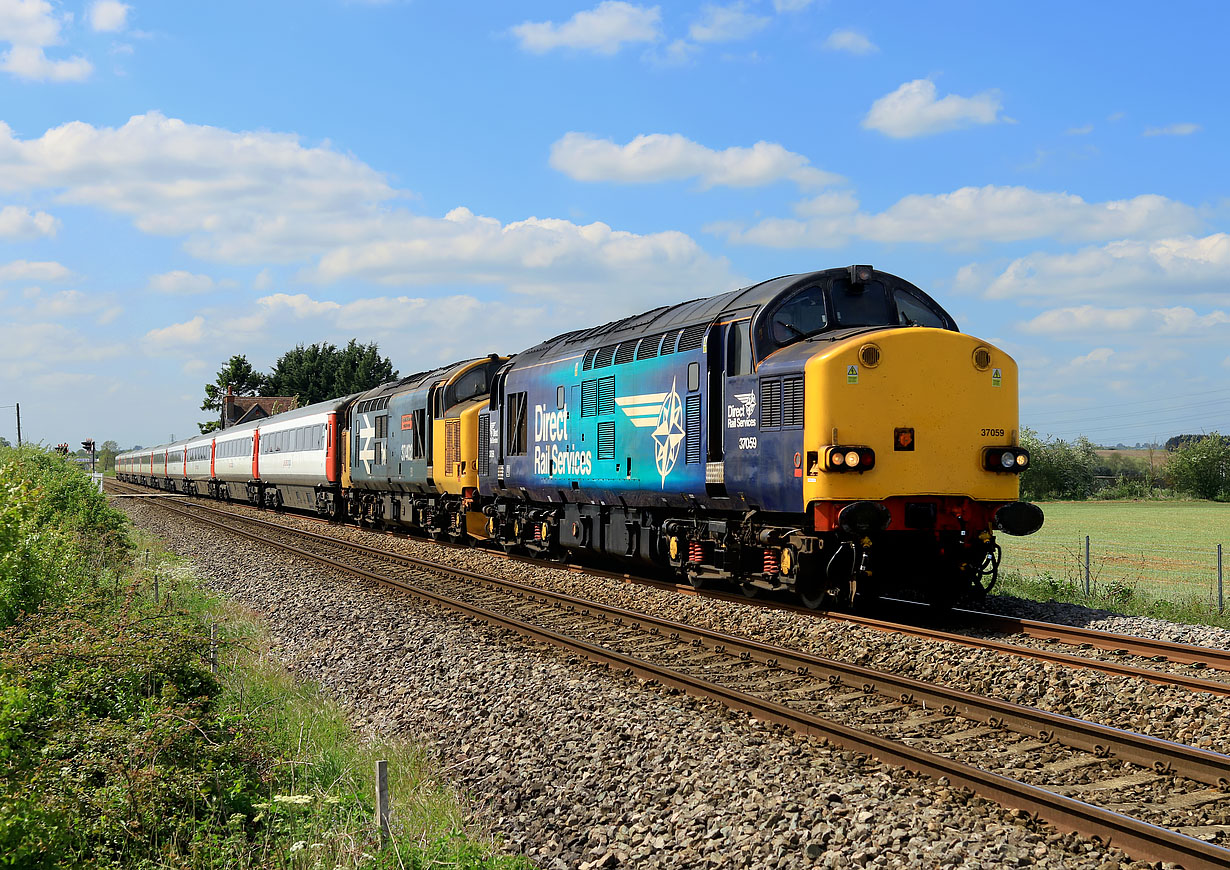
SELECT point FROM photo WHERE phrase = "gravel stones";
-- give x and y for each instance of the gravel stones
(579, 768)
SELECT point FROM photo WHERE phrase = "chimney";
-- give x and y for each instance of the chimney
(228, 404)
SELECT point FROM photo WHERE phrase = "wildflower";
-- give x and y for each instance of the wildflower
(298, 847)
(299, 799)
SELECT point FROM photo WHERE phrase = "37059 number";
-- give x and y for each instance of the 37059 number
(747, 443)
(992, 433)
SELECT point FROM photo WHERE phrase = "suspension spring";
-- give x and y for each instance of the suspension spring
(770, 562)
(537, 531)
(696, 553)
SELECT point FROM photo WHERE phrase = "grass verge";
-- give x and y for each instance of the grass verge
(1115, 597)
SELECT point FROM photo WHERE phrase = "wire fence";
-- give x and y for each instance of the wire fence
(1107, 569)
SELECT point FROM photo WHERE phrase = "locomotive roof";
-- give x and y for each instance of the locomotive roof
(695, 311)
(418, 380)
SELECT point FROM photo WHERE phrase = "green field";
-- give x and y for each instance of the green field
(1165, 549)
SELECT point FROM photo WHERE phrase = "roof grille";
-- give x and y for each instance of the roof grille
(692, 337)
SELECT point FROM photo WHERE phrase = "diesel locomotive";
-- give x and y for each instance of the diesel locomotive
(832, 434)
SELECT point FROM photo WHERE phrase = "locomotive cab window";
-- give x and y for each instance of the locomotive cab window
(863, 304)
(800, 316)
(912, 311)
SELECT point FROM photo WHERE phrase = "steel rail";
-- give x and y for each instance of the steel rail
(1182, 654)
(1195, 684)
(1162, 756)
(1133, 836)
(1143, 646)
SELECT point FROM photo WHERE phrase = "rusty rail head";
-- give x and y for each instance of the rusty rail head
(1181, 653)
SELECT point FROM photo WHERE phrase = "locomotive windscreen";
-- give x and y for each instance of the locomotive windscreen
(836, 304)
(861, 304)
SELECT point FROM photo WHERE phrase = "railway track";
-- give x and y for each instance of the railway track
(1163, 793)
(921, 624)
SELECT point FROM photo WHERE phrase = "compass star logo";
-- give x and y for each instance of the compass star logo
(669, 433)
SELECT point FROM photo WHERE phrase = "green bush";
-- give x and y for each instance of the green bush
(58, 535)
(1201, 468)
(1057, 469)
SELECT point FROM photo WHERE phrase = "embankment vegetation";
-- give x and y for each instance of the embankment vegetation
(128, 739)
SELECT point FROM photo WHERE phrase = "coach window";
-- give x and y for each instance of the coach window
(559, 398)
(693, 377)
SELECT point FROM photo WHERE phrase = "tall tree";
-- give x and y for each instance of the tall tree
(320, 371)
(360, 368)
(240, 377)
(107, 454)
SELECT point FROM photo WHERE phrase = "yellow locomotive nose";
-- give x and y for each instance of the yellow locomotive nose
(926, 403)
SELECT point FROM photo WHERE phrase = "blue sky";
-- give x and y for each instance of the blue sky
(181, 182)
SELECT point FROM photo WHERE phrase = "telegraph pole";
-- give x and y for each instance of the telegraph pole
(19, 424)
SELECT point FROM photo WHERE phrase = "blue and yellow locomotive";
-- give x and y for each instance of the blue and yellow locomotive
(831, 433)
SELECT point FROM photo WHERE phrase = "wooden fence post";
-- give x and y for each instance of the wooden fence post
(382, 801)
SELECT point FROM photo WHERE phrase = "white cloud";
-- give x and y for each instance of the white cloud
(671, 157)
(1079, 131)
(25, 270)
(1174, 130)
(726, 23)
(1096, 357)
(19, 222)
(265, 198)
(263, 280)
(1085, 320)
(604, 29)
(973, 214)
(578, 264)
(109, 16)
(1189, 267)
(70, 303)
(850, 42)
(181, 283)
(26, 343)
(30, 27)
(913, 110)
(678, 53)
(242, 195)
(176, 335)
(790, 5)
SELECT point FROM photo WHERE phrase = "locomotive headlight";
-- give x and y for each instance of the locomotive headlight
(1022, 459)
(852, 459)
(1007, 459)
(838, 458)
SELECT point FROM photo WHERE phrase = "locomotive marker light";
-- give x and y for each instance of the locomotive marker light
(858, 459)
(1005, 459)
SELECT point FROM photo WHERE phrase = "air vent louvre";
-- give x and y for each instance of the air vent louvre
(604, 356)
(589, 398)
(606, 439)
(625, 353)
(692, 429)
(606, 396)
(692, 337)
(792, 401)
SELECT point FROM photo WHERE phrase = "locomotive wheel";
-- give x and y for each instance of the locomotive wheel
(749, 590)
(813, 595)
(695, 580)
